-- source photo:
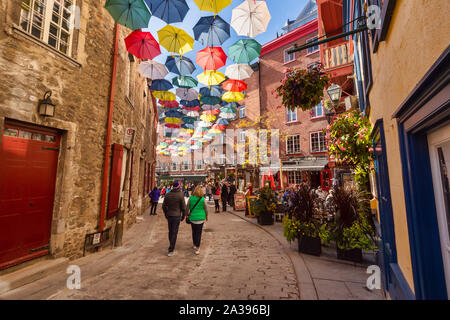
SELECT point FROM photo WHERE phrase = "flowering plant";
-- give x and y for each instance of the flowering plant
(302, 88)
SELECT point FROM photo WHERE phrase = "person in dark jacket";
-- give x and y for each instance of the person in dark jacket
(174, 207)
(224, 195)
(154, 197)
(231, 195)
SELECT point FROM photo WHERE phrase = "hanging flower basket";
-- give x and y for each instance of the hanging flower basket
(302, 88)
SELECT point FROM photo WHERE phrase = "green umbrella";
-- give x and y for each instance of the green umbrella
(184, 82)
(245, 51)
(132, 14)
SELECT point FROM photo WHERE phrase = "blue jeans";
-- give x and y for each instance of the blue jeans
(174, 224)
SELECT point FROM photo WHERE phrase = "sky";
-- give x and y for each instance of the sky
(280, 10)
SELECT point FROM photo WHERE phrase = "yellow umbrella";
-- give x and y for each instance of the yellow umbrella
(212, 5)
(164, 95)
(233, 96)
(211, 77)
(215, 131)
(172, 120)
(183, 130)
(175, 40)
(208, 117)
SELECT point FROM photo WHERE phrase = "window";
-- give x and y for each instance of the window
(317, 111)
(293, 144)
(199, 165)
(312, 49)
(49, 21)
(291, 116)
(289, 57)
(242, 112)
(294, 177)
(242, 136)
(318, 142)
(174, 166)
(186, 165)
(165, 167)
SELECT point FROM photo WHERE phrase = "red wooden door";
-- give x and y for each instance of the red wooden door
(28, 163)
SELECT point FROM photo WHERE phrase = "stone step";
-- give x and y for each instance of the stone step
(31, 273)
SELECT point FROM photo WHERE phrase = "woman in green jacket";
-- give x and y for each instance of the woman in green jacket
(197, 212)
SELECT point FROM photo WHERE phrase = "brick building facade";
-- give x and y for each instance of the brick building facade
(51, 176)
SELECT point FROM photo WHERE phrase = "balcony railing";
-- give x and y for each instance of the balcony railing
(337, 56)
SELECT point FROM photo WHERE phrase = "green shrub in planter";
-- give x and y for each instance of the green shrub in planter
(265, 206)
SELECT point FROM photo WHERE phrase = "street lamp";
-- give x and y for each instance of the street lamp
(46, 106)
(335, 92)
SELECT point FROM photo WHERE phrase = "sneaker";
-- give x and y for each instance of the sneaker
(197, 251)
(171, 253)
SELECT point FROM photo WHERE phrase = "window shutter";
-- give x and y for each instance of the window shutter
(115, 179)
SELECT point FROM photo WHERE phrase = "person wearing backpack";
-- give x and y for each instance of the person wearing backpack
(197, 215)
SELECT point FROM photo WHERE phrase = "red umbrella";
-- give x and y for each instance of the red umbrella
(169, 104)
(234, 85)
(211, 58)
(212, 112)
(219, 127)
(142, 45)
(172, 125)
(197, 108)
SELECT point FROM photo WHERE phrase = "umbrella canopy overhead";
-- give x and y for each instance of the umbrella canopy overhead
(245, 50)
(239, 71)
(142, 45)
(227, 115)
(161, 85)
(210, 107)
(164, 95)
(187, 93)
(190, 104)
(169, 11)
(250, 18)
(212, 31)
(212, 111)
(210, 100)
(213, 91)
(233, 96)
(222, 121)
(211, 58)
(211, 78)
(212, 5)
(195, 108)
(132, 14)
(152, 69)
(169, 104)
(182, 66)
(184, 82)
(175, 40)
(234, 85)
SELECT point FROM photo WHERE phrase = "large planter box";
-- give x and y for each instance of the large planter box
(309, 245)
(265, 218)
(354, 255)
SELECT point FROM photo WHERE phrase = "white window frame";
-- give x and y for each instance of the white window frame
(293, 115)
(310, 50)
(293, 145)
(288, 55)
(47, 22)
(315, 111)
(242, 136)
(294, 177)
(311, 144)
(177, 168)
(199, 165)
(241, 112)
(188, 166)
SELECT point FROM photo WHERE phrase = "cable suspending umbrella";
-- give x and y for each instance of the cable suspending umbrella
(175, 40)
(152, 70)
(169, 11)
(132, 14)
(142, 45)
(184, 82)
(161, 85)
(212, 31)
(182, 66)
(245, 51)
(250, 18)
(211, 58)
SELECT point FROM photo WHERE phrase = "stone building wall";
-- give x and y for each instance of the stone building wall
(80, 83)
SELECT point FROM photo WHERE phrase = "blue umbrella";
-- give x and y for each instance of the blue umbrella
(190, 104)
(169, 11)
(210, 100)
(173, 114)
(212, 31)
(182, 66)
(188, 120)
(188, 126)
(234, 105)
(214, 91)
(161, 85)
(222, 121)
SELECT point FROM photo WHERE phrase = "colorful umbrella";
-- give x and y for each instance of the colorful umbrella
(172, 125)
(228, 110)
(212, 5)
(213, 91)
(233, 96)
(192, 113)
(161, 85)
(208, 117)
(211, 58)
(169, 11)
(212, 31)
(250, 18)
(187, 94)
(188, 120)
(182, 66)
(212, 112)
(211, 78)
(169, 104)
(184, 82)
(222, 121)
(152, 70)
(234, 85)
(173, 114)
(233, 105)
(210, 107)
(219, 127)
(196, 108)
(191, 103)
(245, 51)
(210, 100)
(205, 124)
(215, 131)
(164, 95)
(132, 14)
(239, 71)
(172, 120)
(175, 40)
(142, 45)
(229, 116)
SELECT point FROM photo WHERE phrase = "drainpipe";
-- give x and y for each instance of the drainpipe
(109, 128)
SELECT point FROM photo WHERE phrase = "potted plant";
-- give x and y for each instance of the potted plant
(265, 206)
(352, 229)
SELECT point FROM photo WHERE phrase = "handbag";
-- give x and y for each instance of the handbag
(187, 219)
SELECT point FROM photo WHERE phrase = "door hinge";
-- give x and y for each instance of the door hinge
(53, 149)
(40, 249)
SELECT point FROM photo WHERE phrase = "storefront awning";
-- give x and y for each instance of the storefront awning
(306, 165)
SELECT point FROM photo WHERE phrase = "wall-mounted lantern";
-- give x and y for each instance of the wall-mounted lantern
(335, 93)
(46, 106)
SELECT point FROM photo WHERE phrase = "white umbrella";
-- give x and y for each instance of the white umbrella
(239, 71)
(187, 94)
(227, 115)
(204, 124)
(250, 18)
(192, 114)
(152, 69)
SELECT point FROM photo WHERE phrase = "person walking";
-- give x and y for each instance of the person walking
(224, 195)
(197, 213)
(174, 207)
(208, 191)
(216, 197)
(154, 198)
(163, 192)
